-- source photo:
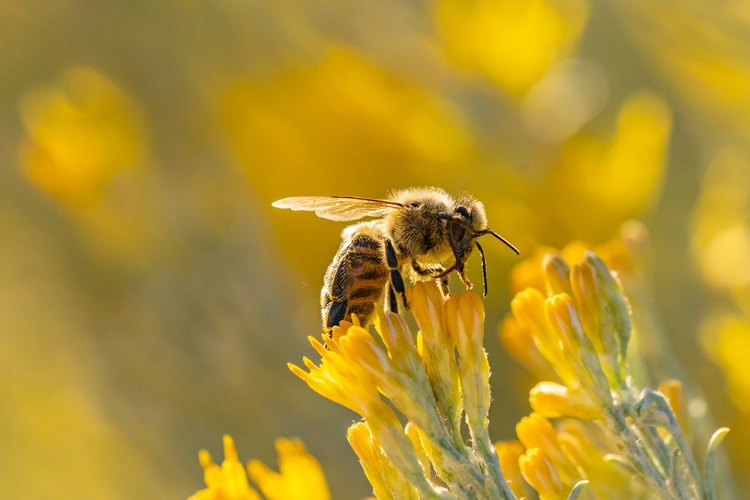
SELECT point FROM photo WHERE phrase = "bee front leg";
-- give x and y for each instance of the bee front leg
(468, 284)
(426, 271)
(437, 273)
(397, 282)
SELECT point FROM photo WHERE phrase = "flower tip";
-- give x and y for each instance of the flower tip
(559, 309)
(299, 372)
(358, 430)
(205, 459)
(553, 400)
(230, 449)
(556, 273)
(540, 474)
(258, 471)
(528, 303)
(316, 344)
(424, 293)
(289, 447)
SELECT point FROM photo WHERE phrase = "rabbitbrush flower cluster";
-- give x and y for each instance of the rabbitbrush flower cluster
(609, 439)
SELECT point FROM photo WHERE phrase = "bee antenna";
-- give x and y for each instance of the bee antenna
(484, 267)
(507, 243)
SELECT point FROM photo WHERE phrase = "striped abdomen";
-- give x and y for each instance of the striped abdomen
(356, 278)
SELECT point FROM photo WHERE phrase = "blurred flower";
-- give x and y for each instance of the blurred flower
(79, 135)
(541, 474)
(720, 244)
(545, 464)
(344, 110)
(581, 443)
(300, 478)
(87, 147)
(701, 51)
(509, 454)
(514, 42)
(721, 221)
(618, 175)
(561, 103)
(227, 481)
(674, 391)
(617, 178)
(726, 339)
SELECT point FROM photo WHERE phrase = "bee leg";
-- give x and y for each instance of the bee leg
(442, 284)
(397, 282)
(468, 284)
(336, 313)
(335, 303)
(438, 273)
(426, 271)
(392, 300)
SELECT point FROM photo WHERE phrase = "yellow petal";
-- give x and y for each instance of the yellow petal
(300, 476)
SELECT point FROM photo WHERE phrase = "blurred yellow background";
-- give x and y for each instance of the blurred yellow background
(150, 295)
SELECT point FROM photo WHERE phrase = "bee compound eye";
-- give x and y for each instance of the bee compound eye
(461, 210)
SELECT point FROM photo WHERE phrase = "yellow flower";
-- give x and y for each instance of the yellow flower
(585, 338)
(225, 482)
(554, 400)
(540, 473)
(726, 338)
(386, 480)
(607, 479)
(536, 432)
(518, 341)
(528, 309)
(702, 54)
(79, 135)
(353, 372)
(428, 387)
(512, 42)
(618, 177)
(509, 453)
(300, 476)
(440, 363)
(465, 319)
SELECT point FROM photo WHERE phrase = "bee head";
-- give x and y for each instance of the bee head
(467, 221)
(465, 224)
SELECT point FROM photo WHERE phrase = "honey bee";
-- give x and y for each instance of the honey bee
(414, 232)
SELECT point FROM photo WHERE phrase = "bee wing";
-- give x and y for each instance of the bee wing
(339, 208)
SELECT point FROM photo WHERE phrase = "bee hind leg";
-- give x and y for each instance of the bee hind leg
(397, 282)
(336, 313)
(392, 300)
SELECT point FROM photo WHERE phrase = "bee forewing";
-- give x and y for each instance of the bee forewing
(338, 208)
